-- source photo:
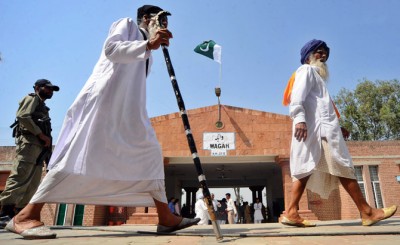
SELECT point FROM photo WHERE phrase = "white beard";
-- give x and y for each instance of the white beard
(323, 70)
(154, 24)
(153, 27)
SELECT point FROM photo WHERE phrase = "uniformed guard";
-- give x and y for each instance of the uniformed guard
(32, 132)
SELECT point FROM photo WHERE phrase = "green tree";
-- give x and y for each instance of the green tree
(371, 111)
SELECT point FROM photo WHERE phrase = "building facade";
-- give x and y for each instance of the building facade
(244, 148)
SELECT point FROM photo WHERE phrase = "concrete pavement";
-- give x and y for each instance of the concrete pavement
(338, 232)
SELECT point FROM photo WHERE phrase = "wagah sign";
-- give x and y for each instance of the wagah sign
(218, 142)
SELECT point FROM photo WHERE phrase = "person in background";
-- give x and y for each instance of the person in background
(171, 204)
(32, 132)
(214, 202)
(215, 205)
(258, 217)
(247, 213)
(201, 210)
(177, 207)
(185, 211)
(222, 215)
(230, 209)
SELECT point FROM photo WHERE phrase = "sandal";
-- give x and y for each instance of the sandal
(387, 213)
(38, 230)
(304, 223)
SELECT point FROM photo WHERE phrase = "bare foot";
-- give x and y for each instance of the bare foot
(25, 225)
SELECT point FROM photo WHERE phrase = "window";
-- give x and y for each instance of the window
(78, 214)
(373, 171)
(360, 180)
(62, 210)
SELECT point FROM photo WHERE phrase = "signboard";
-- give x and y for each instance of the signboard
(218, 141)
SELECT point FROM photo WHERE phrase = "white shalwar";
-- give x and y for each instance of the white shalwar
(107, 152)
(312, 104)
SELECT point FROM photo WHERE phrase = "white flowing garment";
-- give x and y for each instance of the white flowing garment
(107, 152)
(311, 103)
(257, 211)
(200, 208)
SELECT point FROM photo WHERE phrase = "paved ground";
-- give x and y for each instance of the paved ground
(326, 232)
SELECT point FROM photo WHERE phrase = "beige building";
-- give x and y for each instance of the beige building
(249, 149)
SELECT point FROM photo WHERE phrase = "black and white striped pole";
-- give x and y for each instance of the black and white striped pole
(192, 145)
(189, 136)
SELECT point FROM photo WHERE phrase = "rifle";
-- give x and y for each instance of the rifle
(15, 126)
(45, 126)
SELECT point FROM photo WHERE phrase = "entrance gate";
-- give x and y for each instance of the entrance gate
(260, 172)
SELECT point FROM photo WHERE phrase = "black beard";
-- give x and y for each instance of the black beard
(45, 95)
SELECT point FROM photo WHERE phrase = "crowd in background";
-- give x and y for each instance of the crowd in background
(226, 210)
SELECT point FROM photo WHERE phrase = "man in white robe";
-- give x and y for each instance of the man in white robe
(258, 217)
(319, 157)
(201, 210)
(107, 152)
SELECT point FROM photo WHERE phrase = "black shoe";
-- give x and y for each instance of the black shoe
(7, 210)
(184, 224)
(4, 221)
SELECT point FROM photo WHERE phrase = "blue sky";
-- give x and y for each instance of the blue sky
(261, 40)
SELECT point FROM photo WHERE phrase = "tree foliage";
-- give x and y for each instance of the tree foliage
(371, 111)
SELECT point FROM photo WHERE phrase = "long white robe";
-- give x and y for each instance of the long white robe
(107, 152)
(257, 212)
(311, 103)
(200, 208)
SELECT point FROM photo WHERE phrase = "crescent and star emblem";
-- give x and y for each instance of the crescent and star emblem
(206, 49)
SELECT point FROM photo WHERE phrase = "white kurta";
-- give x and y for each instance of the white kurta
(200, 208)
(311, 103)
(257, 211)
(107, 151)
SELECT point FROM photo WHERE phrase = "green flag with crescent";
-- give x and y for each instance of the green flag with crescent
(210, 49)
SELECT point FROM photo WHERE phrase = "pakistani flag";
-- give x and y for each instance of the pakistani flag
(210, 49)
